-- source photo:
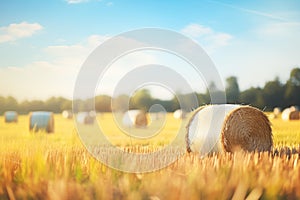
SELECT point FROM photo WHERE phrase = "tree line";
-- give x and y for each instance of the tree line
(273, 94)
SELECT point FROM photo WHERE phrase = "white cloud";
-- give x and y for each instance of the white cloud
(109, 4)
(17, 31)
(218, 39)
(95, 40)
(85, 1)
(279, 29)
(80, 49)
(211, 39)
(73, 56)
(76, 1)
(196, 30)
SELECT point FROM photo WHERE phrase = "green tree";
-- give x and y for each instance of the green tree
(11, 103)
(141, 100)
(24, 107)
(292, 91)
(188, 102)
(214, 95)
(273, 94)
(232, 90)
(56, 104)
(295, 77)
(36, 105)
(66, 104)
(121, 103)
(203, 99)
(174, 103)
(2, 103)
(253, 96)
(103, 103)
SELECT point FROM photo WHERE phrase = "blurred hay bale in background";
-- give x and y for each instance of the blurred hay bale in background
(179, 114)
(86, 117)
(10, 116)
(67, 114)
(135, 118)
(41, 120)
(290, 113)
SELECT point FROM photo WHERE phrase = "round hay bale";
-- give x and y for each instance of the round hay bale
(137, 118)
(276, 112)
(10, 116)
(85, 118)
(286, 114)
(290, 114)
(67, 114)
(227, 127)
(179, 114)
(294, 115)
(41, 120)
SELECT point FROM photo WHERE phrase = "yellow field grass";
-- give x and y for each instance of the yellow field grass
(57, 166)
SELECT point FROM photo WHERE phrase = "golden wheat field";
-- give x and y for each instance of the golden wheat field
(57, 166)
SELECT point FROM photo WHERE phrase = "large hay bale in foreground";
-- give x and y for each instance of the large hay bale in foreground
(290, 114)
(217, 128)
(10, 116)
(41, 120)
(86, 117)
(137, 118)
(67, 114)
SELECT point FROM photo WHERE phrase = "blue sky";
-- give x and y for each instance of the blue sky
(44, 43)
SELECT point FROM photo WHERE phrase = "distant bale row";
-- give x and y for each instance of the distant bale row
(41, 120)
(10, 116)
(227, 127)
(138, 118)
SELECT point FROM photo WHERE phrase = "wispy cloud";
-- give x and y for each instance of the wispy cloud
(211, 39)
(252, 11)
(196, 30)
(14, 32)
(76, 52)
(259, 13)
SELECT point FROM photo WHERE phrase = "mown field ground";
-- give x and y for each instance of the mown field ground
(57, 166)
